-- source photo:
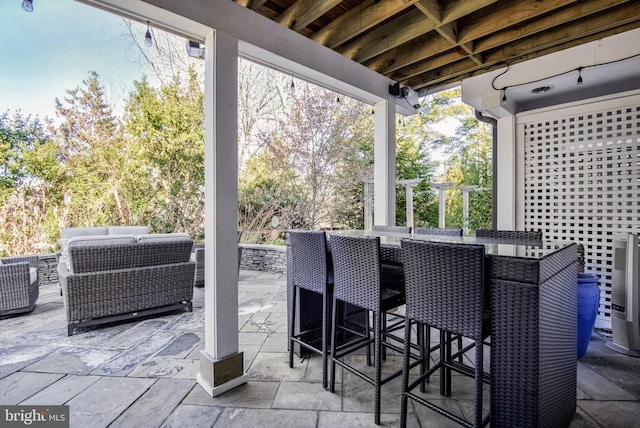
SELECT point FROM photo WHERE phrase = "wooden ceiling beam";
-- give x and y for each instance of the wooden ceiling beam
(401, 30)
(304, 12)
(358, 20)
(416, 69)
(505, 15)
(577, 11)
(553, 41)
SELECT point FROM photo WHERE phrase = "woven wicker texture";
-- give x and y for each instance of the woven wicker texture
(358, 274)
(526, 235)
(445, 285)
(309, 253)
(392, 229)
(310, 271)
(17, 293)
(439, 231)
(533, 378)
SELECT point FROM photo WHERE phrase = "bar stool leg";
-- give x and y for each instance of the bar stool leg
(292, 321)
(405, 369)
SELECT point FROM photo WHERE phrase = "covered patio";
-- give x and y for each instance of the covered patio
(226, 362)
(143, 373)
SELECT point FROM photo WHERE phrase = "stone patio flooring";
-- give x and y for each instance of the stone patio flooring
(142, 373)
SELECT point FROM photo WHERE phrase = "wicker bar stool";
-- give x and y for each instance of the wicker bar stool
(359, 281)
(440, 231)
(310, 270)
(445, 287)
(524, 235)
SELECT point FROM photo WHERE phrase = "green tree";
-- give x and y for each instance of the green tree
(166, 132)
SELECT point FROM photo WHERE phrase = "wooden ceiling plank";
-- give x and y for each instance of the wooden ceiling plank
(511, 13)
(456, 9)
(396, 32)
(431, 64)
(359, 20)
(426, 46)
(571, 31)
(563, 38)
(256, 4)
(431, 9)
(304, 12)
(455, 73)
(580, 10)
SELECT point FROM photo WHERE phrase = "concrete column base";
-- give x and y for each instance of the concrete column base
(219, 376)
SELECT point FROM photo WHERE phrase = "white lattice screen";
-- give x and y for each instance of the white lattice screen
(581, 179)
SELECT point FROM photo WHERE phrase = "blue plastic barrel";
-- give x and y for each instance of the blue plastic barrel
(588, 300)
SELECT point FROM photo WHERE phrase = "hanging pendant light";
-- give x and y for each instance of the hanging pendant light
(27, 5)
(148, 39)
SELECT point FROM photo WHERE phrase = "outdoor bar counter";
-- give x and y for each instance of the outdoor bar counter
(533, 352)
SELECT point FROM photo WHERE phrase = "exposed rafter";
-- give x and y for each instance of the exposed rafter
(425, 43)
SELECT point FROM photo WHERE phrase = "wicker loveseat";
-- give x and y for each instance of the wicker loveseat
(115, 277)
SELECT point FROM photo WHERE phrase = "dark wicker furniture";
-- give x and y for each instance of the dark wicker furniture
(439, 231)
(358, 280)
(310, 271)
(527, 235)
(18, 284)
(445, 289)
(106, 283)
(392, 229)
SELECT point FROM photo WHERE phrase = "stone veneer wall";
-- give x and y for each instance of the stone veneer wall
(267, 258)
(47, 269)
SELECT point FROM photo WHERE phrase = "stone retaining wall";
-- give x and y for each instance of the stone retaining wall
(267, 258)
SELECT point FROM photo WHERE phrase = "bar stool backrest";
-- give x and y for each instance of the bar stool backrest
(356, 270)
(309, 259)
(440, 231)
(444, 285)
(528, 235)
(392, 229)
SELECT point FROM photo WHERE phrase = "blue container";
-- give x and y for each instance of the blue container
(588, 300)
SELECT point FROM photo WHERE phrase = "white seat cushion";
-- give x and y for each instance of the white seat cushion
(33, 275)
(128, 230)
(164, 237)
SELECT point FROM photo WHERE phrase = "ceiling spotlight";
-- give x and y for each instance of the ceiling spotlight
(148, 39)
(27, 5)
(579, 82)
(541, 89)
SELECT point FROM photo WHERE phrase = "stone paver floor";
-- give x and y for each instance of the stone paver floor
(142, 373)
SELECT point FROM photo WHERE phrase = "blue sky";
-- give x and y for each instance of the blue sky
(52, 49)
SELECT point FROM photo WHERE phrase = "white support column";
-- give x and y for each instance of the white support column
(465, 206)
(506, 176)
(441, 187)
(408, 186)
(221, 365)
(384, 163)
(368, 204)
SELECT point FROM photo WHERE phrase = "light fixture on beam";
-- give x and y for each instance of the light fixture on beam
(27, 5)
(405, 92)
(194, 49)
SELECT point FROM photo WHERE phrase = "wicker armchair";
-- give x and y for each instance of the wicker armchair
(18, 284)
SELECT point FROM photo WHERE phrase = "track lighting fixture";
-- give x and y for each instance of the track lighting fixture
(148, 39)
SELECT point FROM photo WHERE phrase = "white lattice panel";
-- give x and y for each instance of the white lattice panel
(581, 180)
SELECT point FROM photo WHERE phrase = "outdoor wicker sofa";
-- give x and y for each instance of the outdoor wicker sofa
(18, 284)
(112, 278)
